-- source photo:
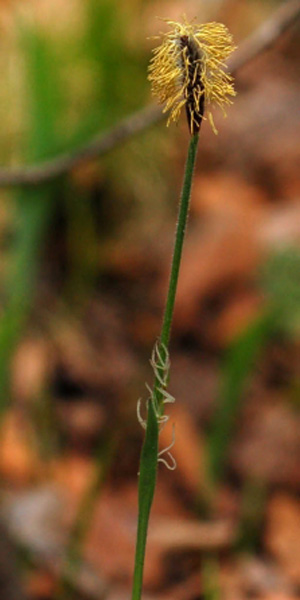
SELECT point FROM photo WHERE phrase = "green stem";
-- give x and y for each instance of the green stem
(180, 231)
(149, 455)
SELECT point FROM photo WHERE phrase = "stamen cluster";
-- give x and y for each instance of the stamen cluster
(188, 70)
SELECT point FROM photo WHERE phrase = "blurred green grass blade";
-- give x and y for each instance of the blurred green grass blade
(238, 365)
(45, 98)
(280, 281)
(119, 73)
(33, 206)
(107, 53)
(254, 496)
(211, 577)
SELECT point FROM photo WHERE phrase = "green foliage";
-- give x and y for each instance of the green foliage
(210, 577)
(44, 97)
(119, 74)
(33, 206)
(253, 502)
(236, 370)
(104, 73)
(280, 280)
(56, 119)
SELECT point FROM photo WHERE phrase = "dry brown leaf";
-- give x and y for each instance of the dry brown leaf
(227, 195)
(31, 365)
(19, 463)
(247, 576)
(82, 421)
(171, 535)
(188, 450)
(111, 540)
(282, 537)
(93, 353)
(267, 447)
(236, 316)
(40, 584)
(223, 253)
(72, 473)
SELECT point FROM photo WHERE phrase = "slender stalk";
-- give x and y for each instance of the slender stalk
(149, 455)
(180, 231)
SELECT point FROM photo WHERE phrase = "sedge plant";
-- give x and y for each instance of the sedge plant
(187, 71)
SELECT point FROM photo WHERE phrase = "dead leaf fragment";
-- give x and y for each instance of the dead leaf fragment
(282, 536)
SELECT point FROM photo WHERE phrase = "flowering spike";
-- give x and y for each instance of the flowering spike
(188, 71)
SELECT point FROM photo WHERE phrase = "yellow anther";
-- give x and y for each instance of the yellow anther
(188, 69)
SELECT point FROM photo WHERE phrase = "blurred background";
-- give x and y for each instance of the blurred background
(84, 266)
